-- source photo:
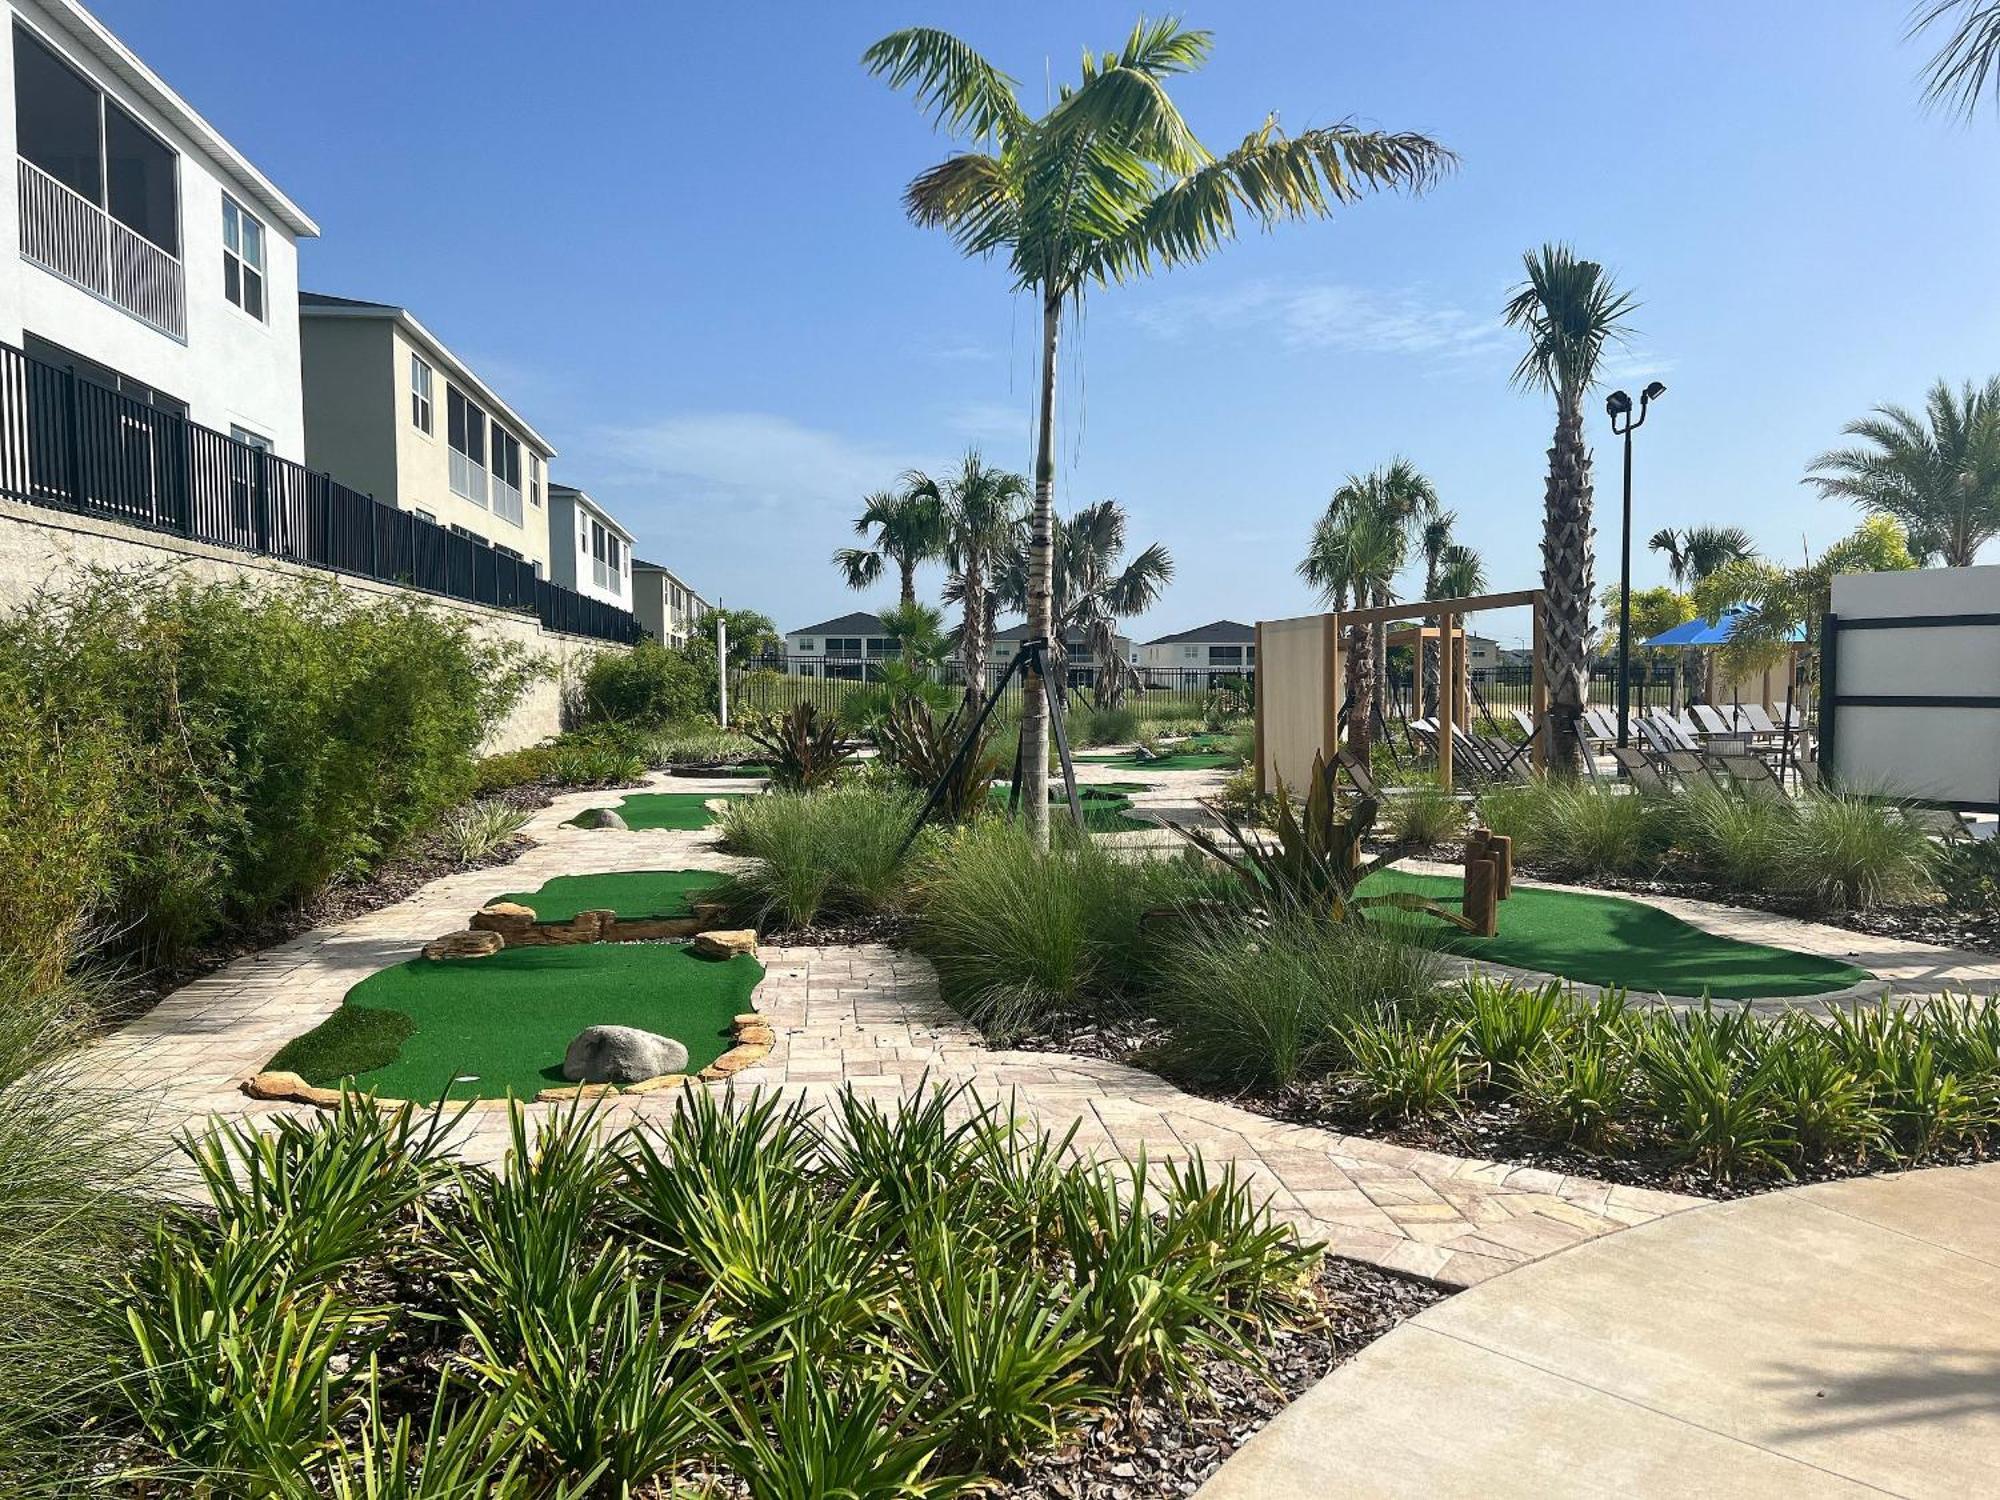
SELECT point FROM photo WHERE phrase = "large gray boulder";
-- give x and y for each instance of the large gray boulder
(599, 817)
(621, 1054)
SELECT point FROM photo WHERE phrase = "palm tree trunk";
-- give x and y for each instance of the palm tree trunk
(1379, 653)
(1567, 542)
(908, 568)
(1041, 562)
(973, 643)
(1361, 701)
(1432, 662)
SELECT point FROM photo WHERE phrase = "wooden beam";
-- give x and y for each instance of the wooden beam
(1445, 696)
(1389, 613)
(1257, 707)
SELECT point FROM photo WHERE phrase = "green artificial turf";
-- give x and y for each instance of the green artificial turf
(1105, 805)
(408, 1032)
(666, 809)
(1606, 940)
(1182, 761)
(630, 893)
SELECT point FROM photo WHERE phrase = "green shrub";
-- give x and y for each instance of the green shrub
(645, 685)
(479, 829)
(1263, 1008)
(1105, 726)
(597, 755)
(832, 853)
(1856, 852)
(1021, 937)
(694, 742)
(1423, 814)
(1405, 1069)
(1968, 872)
(1745, 842)
(1580, 827)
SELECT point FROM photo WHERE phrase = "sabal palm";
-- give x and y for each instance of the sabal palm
(1937, 474)
(1355, 551)
(907, 528)
(1433, 538)
(1960, 70)
(1569, 309)
(982, 512)
(1695, 552)
(1108, 184)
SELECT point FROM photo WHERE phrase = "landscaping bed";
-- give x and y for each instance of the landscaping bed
(491, 1027)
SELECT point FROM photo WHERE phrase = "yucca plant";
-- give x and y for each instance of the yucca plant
(802, 746)
(1715, 1105)
(1509, 1026)
(1581, 1090)
(478, 829)
(924, 746)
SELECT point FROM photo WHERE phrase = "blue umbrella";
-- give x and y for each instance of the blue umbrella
(1698, 632)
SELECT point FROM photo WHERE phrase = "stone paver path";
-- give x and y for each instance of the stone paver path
(1837, 1340)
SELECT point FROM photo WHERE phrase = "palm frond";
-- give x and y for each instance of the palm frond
(961, 91)
(1570, 309)
(1962, 69)
(971, 197)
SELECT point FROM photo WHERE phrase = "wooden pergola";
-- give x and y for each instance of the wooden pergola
(1305, 682)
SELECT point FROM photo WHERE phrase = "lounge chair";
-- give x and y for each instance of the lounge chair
(1524, 722)
(1639, 769)
(1940, 823)
(1752, 777)
(1708, 721)
(1759, 721)
(1691, 767)
(1508, 759)
(1358, 773)
(1600, 726)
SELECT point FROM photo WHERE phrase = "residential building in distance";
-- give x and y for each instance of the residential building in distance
(667, 609)
(1200, 657)
(589, 551)
(840, 647)
(392, 412)
(140, 252)
(1082, 667)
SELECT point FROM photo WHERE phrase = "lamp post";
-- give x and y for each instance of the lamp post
(1618, 406)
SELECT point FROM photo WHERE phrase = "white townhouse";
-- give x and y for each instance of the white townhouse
(1198, 657)
(139, 250)
(392, 412)
(666, 608)
(840, 647)
(588, 550)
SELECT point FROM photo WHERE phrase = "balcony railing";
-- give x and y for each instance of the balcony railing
(468, 479)
(506, 501)
(64, 232)
(72, 445)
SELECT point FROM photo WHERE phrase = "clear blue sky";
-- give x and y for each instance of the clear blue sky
(672, 236)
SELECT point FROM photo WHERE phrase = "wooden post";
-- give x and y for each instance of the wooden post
(1500, 849)
(1445, 696)
(1417, 677)
(1330, 685)
(1482, 900)
(1461, 682)
(1257, 707)
(1538, 692)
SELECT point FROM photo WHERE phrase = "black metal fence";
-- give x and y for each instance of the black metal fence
(70, 444)
(774, 683)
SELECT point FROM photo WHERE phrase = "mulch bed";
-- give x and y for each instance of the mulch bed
(891, 928)
(1165, 1451)
(427, 858)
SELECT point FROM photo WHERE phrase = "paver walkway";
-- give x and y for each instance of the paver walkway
(1836, 1340)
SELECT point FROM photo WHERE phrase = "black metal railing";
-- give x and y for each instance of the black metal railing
(775, 682)
(70, 444)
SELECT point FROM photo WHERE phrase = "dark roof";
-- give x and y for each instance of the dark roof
(858, 623)
(1214, 630)
(640, 562)
(1018, 631)
(323, 299)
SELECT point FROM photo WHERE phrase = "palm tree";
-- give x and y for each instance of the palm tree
(1433, 538)
(907, 532)
(1959, 71)
(1694, 552)
(1106, 185)
(1570, 310)
(1460, 573)
(1092, 588)
(982, 512)
(1356, 550)
(918, 631)
(1938, 474)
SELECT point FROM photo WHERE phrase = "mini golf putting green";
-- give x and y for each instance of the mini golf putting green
(505, 1021)
(1106, 805)
(665, 809)
(1180, 761)
(1605, 940)
(633, 894)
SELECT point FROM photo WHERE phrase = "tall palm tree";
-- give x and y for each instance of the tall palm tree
(1694, 552)
(1459, 574)
(1092, 587)
(1960, 70)
(1433, 538)
(1937, 474)
(1356, 550)
(1569, 309)
(1406, 496)
(1105, 185)
(907, 526)
(982, 512)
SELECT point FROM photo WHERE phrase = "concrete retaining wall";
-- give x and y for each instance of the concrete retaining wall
(50, 548)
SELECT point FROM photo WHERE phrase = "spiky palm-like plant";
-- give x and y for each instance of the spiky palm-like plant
(1694, 552)
(1107, 184)
(983, 510)
(1355, 551)
(907, 527)
(1569, 309)
(1936, 475)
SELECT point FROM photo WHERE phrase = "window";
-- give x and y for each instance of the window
(49, 353)
(243, 472)
(506, 474)
(420, 395)
(242, 257)
(424, 515)
(509, 552)
(67, 127)
(535, 480)
(607, 556)
(465, 429)
(805, 643)
(1232, 655)
(1191, 653)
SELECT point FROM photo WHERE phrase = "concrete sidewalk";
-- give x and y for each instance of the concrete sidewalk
(1842, 1339)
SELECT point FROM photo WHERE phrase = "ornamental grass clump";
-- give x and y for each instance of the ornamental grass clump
(1855, 852)
(1420, 815)
(829, 854)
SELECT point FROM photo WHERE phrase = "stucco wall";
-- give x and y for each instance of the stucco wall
(233, 369)
(43, 548)
(1298, 689)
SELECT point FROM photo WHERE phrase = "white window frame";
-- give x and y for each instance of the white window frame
(423, 388)
(246, 267)
(468, 469)
(534, 479)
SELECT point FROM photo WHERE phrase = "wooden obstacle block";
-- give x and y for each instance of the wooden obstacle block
(1482, 896)
(1500, 849)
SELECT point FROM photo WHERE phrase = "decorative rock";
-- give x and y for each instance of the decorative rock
(505, 917)
(622, 1054)
(599, 817)
(726, 942)
(468, 944)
